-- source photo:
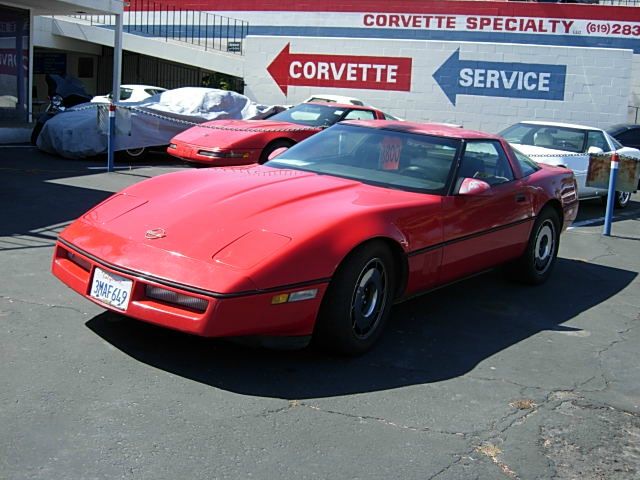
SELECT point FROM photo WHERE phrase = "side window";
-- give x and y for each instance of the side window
(359, 115)
(125, 93)
(596, 139)
(527, 166)
(486, 161)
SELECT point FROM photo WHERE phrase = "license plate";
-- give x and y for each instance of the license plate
(111, 289)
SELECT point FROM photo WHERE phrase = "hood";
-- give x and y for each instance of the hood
(201, 212)
(228, 133)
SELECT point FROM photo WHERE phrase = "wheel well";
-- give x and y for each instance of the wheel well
(283, 140)
(555, 204)
(399, 257)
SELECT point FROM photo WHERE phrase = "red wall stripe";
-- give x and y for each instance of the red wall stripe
(427, 7)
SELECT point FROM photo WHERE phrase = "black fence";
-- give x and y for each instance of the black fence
(171, 22)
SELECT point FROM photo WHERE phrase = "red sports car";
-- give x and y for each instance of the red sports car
(243, 142)
(324, 238)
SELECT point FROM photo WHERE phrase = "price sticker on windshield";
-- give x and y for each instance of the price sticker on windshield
(390, 153)
(111, 289)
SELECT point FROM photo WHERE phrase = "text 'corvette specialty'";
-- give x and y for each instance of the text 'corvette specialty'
(321, 240)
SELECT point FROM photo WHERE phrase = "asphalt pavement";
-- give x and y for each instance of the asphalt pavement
(485, 379)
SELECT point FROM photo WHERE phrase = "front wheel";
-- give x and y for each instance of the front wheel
(358, 302)
(272, 147)
(536, 264)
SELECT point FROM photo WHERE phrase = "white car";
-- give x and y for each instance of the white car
(131, 93)
(329, 98)
(568, 145)
(326, 97)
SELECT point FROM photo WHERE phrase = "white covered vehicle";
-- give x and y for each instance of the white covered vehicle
(81, 131)
(131, 93)
(568, 145)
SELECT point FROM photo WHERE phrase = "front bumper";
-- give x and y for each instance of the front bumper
(225, 315)
(190, 153)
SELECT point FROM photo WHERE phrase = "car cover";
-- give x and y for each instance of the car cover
(81, 131)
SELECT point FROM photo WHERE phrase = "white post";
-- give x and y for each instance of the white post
(117, 58)
(115, 93)
(30, 87)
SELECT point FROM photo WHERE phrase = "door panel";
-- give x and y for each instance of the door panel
(484, 231)
(489, 228)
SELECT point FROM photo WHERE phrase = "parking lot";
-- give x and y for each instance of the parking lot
(483, 379)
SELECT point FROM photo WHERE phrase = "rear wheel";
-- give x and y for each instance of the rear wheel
(536, 264)
(620, 200)
(133, 153)
(358, 302)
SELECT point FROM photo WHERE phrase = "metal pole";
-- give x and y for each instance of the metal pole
(115, 93)
(608, 216)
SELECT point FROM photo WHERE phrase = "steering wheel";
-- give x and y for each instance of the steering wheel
(415, 171)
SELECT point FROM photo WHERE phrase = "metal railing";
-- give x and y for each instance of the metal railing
(159, 19)
(623, 3)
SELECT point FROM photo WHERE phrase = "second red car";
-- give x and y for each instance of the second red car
(243, 142)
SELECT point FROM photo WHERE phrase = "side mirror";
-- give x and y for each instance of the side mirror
(277, 152)
(595, 151)
(473, 186)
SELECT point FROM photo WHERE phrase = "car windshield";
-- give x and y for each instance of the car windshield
(125, 93)
(389, 158)
(547, 136)
(313, 114)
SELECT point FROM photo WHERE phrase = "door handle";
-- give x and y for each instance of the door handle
(521, 197)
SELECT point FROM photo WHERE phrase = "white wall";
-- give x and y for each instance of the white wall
(634, 99)
(597, 88)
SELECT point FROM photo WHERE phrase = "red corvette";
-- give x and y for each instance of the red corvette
(243, 142)
(323, 239)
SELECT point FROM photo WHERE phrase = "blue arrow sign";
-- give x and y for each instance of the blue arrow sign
(500, 79)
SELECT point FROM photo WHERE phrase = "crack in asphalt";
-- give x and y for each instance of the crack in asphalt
(382, 421)
(39, 304)
(452, 464)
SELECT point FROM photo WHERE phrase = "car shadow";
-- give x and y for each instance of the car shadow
(436, 337)
(593, 212)
(41, 192)
(33, 190)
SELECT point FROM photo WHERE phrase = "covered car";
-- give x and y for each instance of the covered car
(321, 240)
(242, 142)
(569, 145)
(81, 131)
(130, 93)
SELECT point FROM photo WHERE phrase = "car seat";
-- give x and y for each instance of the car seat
(471, 167)
(543, 139)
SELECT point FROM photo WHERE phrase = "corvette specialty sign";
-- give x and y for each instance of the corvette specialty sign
(499, 24)
(340, 71)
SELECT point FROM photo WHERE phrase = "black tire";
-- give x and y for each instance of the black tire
(620, 200)
(272, 147)
(358, 302)
(538, 260)
(133, 153)
(35, 133)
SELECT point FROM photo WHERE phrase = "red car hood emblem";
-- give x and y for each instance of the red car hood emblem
(155, 233)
